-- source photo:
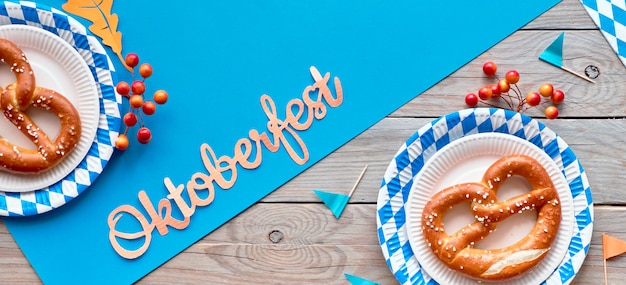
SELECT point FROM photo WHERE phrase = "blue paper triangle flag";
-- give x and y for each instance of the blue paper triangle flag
(355, 280)
(554, 53)
(335, 202)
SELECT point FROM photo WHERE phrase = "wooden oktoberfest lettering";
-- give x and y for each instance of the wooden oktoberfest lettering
(300, 114)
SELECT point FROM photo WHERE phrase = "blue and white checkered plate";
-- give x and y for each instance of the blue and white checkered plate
(430, 139)
(60, 192)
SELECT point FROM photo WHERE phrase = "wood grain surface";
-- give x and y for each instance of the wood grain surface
(290, 237)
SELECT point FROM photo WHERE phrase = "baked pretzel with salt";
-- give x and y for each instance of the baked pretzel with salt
(458, 250)
(15, 99)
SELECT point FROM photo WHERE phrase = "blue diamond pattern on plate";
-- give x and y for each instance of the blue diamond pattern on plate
(73, 32)
(410, 158)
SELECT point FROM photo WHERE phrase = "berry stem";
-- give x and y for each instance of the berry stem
(519, 92)
(508, 99)
(141, 118)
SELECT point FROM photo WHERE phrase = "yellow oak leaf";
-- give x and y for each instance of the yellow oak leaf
(104, 23)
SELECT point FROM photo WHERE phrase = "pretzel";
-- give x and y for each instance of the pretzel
(11, 54)
(457, 250)
(15, 99)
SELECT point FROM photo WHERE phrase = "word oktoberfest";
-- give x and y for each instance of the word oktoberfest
(247, 153)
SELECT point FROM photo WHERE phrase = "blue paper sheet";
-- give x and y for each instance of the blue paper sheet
(216, 59)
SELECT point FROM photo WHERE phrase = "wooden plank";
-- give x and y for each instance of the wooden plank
(520, 51)
(317, 248)
(566, 15)
(597, 143)
(313, 246)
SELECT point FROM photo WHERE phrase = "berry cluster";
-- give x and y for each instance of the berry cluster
(139, 104)
(507, 91)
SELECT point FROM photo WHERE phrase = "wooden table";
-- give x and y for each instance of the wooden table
(290, 237)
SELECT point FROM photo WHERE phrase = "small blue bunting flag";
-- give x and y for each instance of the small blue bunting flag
(337, 202)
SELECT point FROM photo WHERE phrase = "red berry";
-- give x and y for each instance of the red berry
(160, 96)
(489, 68)
(512, 76)
(551, 112)
(485, 93)
(130, 119)
(132, 59)
(121, 142)
(138, 87)
(546, 90)
(471, 100)
(145, 70)
(504, 86)
(135, 101)
(122, 88)
(148, 108)
(557, 96)
(144, 135)
(495, 90)
(533, 98)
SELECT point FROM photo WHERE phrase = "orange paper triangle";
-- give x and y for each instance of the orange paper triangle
(612, 246)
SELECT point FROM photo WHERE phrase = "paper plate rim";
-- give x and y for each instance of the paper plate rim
(70, 30)
(396, 184)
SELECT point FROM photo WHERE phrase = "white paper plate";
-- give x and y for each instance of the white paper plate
(465, 160)
(428, 140)
(70, 30)
(59, 67)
